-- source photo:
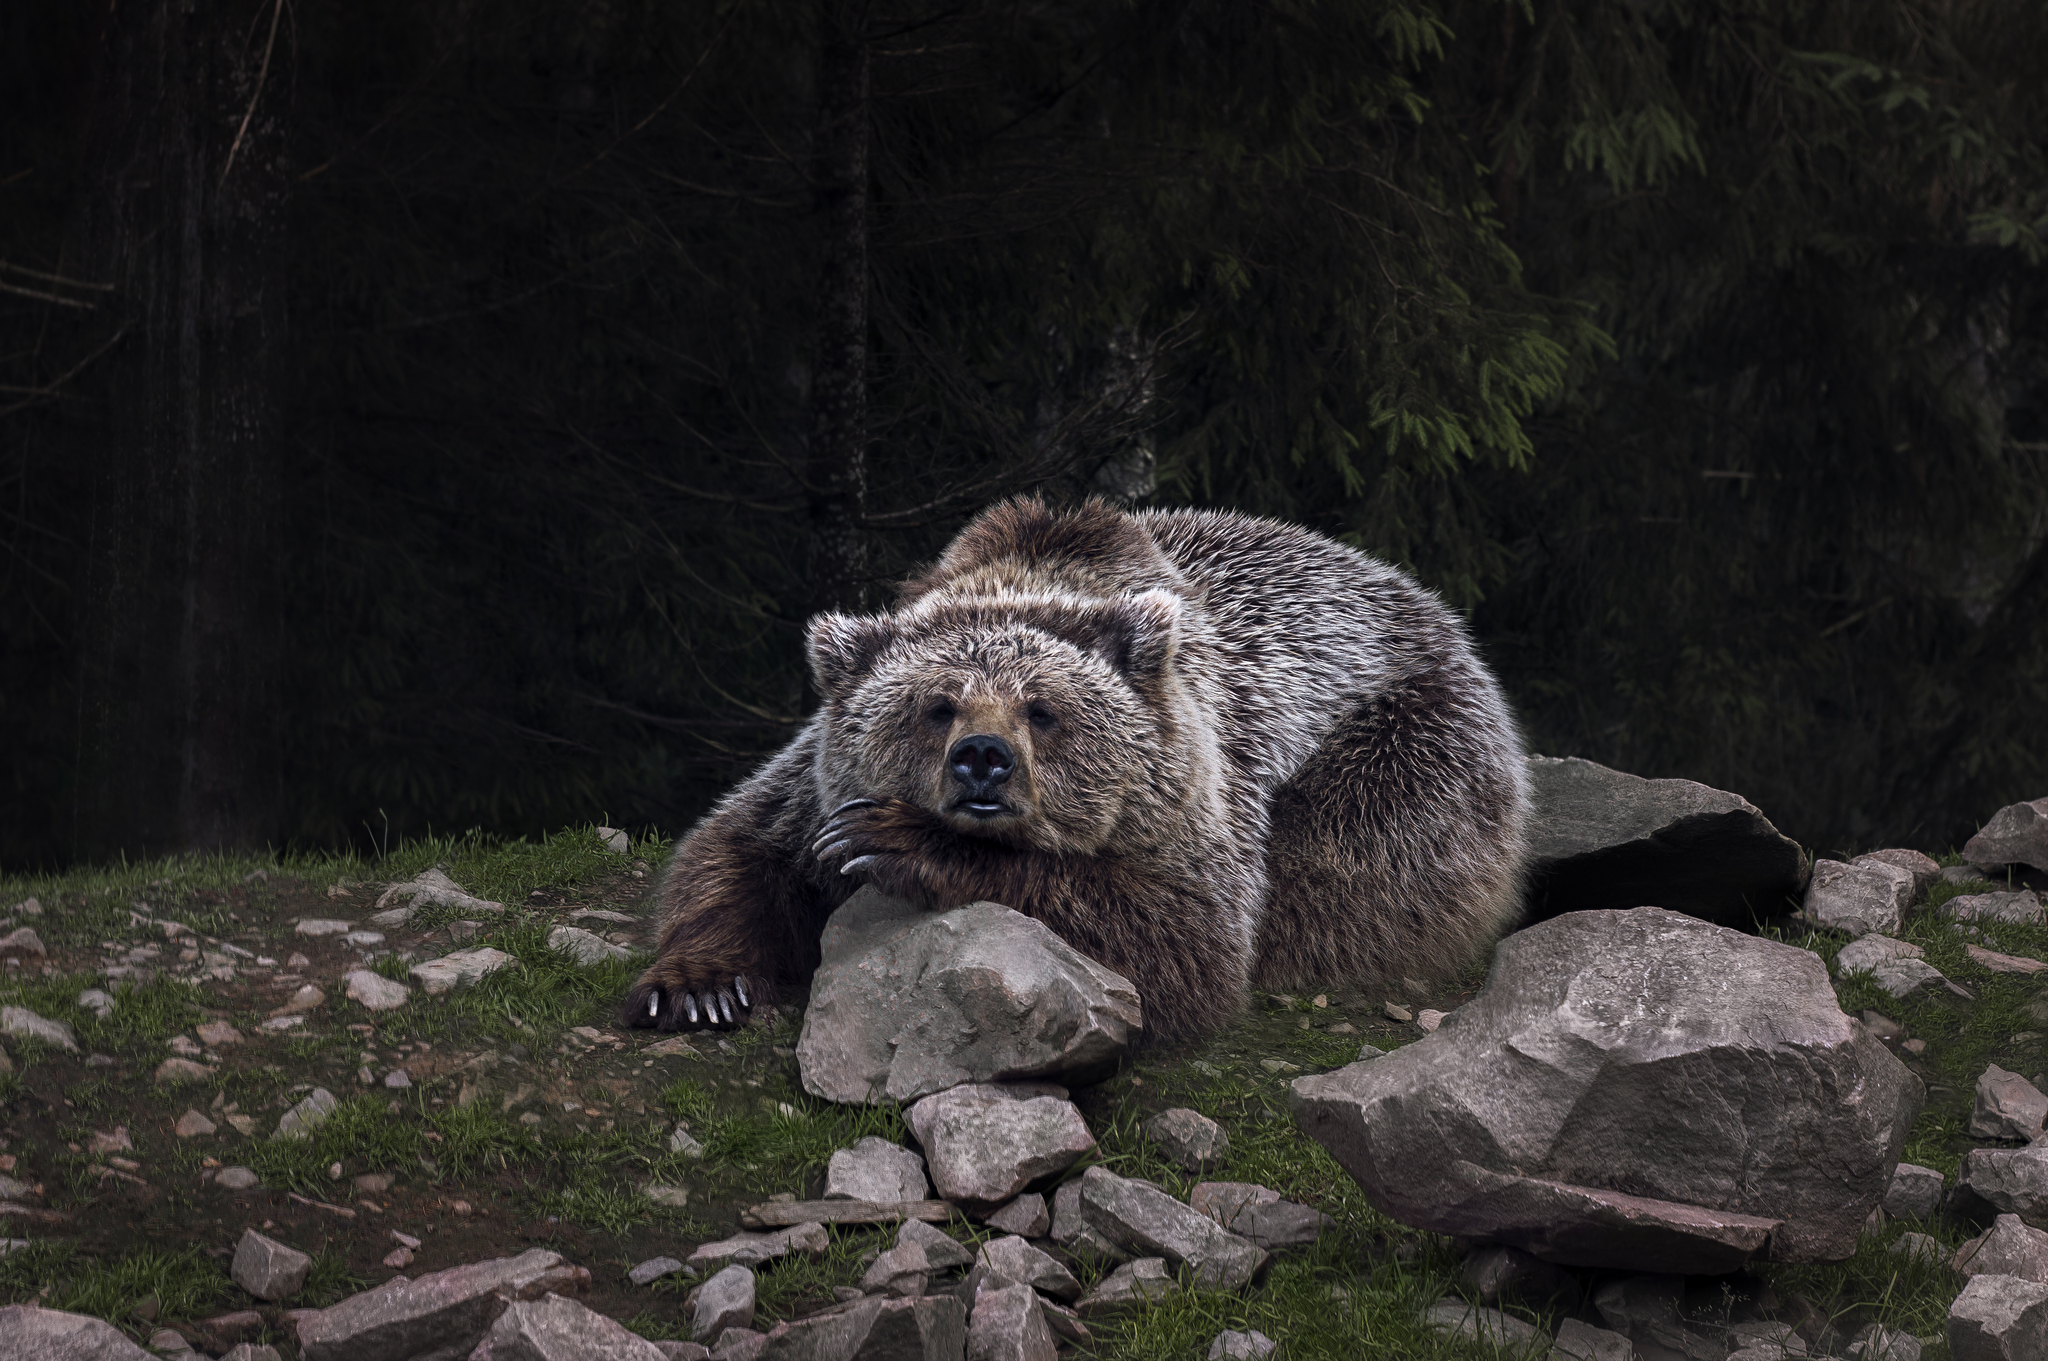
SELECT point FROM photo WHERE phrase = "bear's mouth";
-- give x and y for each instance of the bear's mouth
(983, 808)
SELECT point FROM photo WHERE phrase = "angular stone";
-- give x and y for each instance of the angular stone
(1580, 1341)
(1999, 1318)
(1878, 1343)
(404, 1319)
(931, 1328)
(1860, 899)
(752, 1249)
(1145, 1220)
(1026, 1216)
(374, 991)
(1904, 977)
(585, 947)
(2007, 1106)
(1008, 1325)
(1867, 952)
(908, 1003)
(554, 1329)
(2016, 835)
(96, 1001)
(267, 1268)
(683, 1351)
(1494, 1274)
(901, 1271)
(1143, 1281)
(1915, 1192)
(1258, 1213)
(459, 969)
(1072, 1231)
(305, 999)
(653, 1269)
(875, 1169)
(1560, 1078)
(1231, 1345)
(724, 1301)
(307, 1115)
(984, 1143)
(433, 887)
(1998, 963)
(236, 1179)
(192, 1124)
(169, 1342)
(681, 1144)
(1602, 839)
(2007, 1248)
(615, 840)
(215, 1034)
(40, 1334)
(1926, 873)
(173, 1071)
(22, 941)
(1453, 1317)
(1019, 1261)
(1189, 1138)
(322, 926)
(942, 1251)
(24, 1024)
(1646, 1310)
(1919, 1247)
(2018, 908)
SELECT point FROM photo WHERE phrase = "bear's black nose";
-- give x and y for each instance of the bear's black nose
(981, 762)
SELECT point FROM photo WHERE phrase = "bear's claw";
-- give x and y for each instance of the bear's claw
(673, 1009)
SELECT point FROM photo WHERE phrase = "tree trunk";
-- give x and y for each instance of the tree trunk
(180, 617)
(837, 456)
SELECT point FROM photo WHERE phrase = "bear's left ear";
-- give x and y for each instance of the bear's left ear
(842, 648)
(1141, 634)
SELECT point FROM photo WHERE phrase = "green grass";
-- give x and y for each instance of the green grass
(185, 1284)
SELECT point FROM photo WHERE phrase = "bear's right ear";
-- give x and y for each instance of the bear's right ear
(842, 648)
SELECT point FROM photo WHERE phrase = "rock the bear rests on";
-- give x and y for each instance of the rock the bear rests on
(1203, 749)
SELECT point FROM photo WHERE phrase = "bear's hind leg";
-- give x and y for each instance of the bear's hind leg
(1397, 848)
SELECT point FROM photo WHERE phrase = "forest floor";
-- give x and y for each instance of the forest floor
(530, 1119)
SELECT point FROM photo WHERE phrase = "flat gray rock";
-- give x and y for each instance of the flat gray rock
(2016, 835)
(1072, 1231)
(1999, 1318)
(1008, 1325)
(653, 1269)
(1603, 839)
(1915, 1192)
(902, 1271)
(554, 1329)
(1493, 1274)
(875, 1169)
(1694, 1065)
(984, 1143)
(374, 991)
(2007, 1248)
(307, 1115)
(1902, 977)
(53, 1335)
(1190, 1138)
(24, 1024)
(459, 969)
(907, 1003)
(2014, 1180)
(1258, 1213)
(404, 1319)
(1232, 1345)
(267, 1268)
(585, 947)
(431, 887)
(2021, 907)
(1580, 1341)
(1926, 873)
(1861, 899)
(1454, 1317)
(752, 1249)
(1147, 1221)
(942, 1251)
(1878, 1343)
(724, 1301)
(2007, 1106)
(1867, 952)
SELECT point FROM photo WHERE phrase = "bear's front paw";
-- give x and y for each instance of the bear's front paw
(669, 997)
(878, 842)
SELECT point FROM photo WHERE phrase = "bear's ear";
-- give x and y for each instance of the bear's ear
(842, 648)
(1141, 633)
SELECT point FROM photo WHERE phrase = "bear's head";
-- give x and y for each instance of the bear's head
(1035, 721)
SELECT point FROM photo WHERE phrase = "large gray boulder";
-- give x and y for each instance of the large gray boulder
(1999, 1318)
(33, 1333)
(1601, 839)
(908, 1003)
(983, 1143)
(2016, 835)
(1639, 1090)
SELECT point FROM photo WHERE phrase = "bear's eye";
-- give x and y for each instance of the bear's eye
(941, 712)
(1041, 717)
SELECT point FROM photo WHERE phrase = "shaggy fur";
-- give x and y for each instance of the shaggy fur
(1243, 753)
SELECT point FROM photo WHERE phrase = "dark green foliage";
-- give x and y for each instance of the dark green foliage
(1695, 347)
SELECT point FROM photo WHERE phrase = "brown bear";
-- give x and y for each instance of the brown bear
(1204, 749)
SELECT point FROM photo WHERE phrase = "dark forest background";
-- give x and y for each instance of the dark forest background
(448, 414)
